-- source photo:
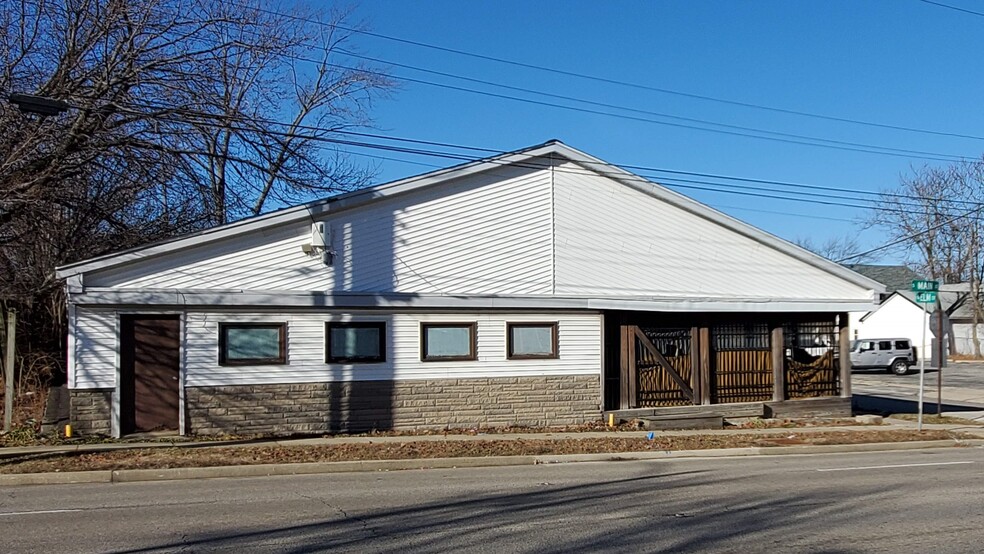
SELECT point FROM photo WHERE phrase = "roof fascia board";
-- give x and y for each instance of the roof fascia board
(655, 189)
(310, 210)
(276, 299)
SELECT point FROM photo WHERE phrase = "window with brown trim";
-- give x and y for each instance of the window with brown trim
(355, 342)
(528, 341)
(252, 343)
(447, 342)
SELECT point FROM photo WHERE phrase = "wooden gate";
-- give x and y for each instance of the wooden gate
(742, 363)
(664, 360)
(812, 360)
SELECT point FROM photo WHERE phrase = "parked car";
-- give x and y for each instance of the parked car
(894, 355)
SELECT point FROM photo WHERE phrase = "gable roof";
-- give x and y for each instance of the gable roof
(526, 156)
(894, 277)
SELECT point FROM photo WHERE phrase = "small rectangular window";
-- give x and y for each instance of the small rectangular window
(901, 345)
(447, 341)
(531, 340)
(884, 345)
(355, 342)
(252, 343)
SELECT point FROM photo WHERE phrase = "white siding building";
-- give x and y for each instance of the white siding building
(530, 288)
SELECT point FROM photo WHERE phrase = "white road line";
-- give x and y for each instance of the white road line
(894, 466)
(38, 512)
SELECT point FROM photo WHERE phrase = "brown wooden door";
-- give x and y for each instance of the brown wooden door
(150, 360)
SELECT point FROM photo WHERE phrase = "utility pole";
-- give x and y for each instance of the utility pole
(8, 367)
(939, 357)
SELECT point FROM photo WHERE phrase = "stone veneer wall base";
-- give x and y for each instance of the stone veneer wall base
(91, 410)
(360, 406)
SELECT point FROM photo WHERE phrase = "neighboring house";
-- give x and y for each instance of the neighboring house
(899, 316)
(539, 287)
(961, 316)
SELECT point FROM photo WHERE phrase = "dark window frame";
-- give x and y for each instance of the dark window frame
(882, 345)
(902, 345)
(554, 340)
(281, 359)
(472, 347)
(380, 325)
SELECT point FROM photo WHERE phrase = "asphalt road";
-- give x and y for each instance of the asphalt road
(928, 500)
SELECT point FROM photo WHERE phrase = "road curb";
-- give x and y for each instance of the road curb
(57, 478)
(312, 468)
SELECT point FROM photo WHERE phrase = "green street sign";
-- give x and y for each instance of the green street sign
(925, 286)
(926, 297)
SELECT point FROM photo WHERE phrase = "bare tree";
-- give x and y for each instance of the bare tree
(835, 248)
(183, 114)
(936, 212)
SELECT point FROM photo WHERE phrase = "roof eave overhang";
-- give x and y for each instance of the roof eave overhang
(390, 301)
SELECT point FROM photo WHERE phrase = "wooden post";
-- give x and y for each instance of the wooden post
(623, 367)
(844, 352)
(8, 366)
(630, 335)
(705, 365)
(778, 364)
(695, 380)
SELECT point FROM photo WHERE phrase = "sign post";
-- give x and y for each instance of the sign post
(925, 294)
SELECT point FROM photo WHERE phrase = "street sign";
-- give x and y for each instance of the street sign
(921, 285)
(926, 297)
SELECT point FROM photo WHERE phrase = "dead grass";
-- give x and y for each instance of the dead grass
(28, 406)
(26, 437)
(177, 457)
(933, 419)
(760, 423)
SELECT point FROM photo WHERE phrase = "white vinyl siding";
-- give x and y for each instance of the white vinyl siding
(614, 240)
(488, 233)
(579, 336)
(94, 363)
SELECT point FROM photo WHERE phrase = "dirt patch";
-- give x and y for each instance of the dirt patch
(161, 458)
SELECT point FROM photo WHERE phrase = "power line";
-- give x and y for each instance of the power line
(903, 198)
(649, 179)
(955, 8)
(869, 149)
(621, 82)
(787, 138)
(909, 237)
(640, 111)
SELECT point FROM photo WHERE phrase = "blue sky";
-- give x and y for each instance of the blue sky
(896, 62)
